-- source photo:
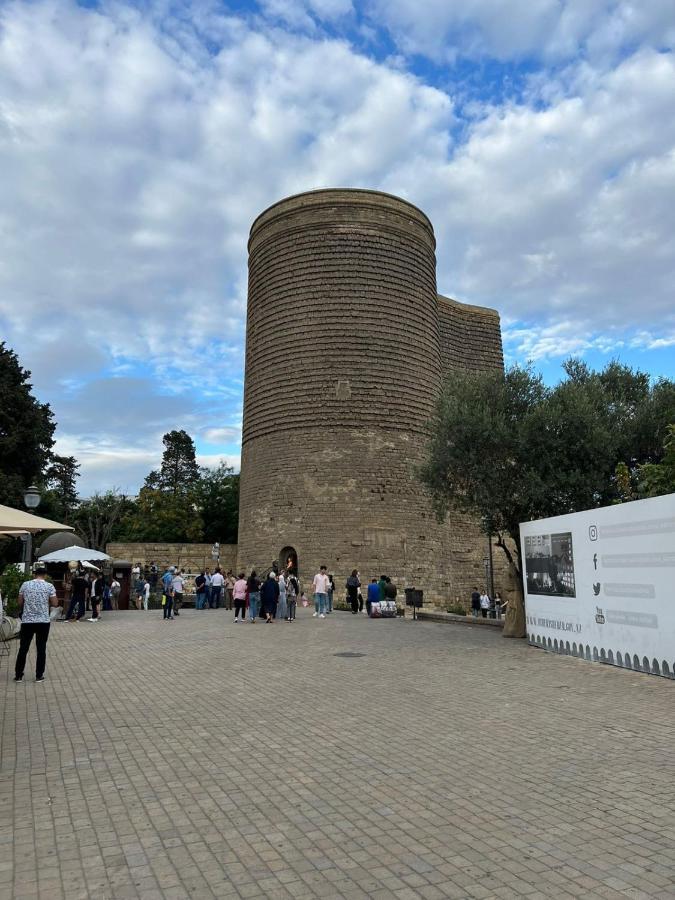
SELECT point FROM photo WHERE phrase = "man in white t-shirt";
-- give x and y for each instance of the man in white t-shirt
(320, 585)
(217, 582)
(178, 586)
(35, 598)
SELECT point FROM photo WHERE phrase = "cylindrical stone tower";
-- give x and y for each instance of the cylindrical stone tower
(342, 370)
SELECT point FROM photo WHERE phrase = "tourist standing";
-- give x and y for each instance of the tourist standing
(320, 585)
(229, 588)
(484, 604)
(282, 609)
(217, 582)
(373, 595)
(292, 591)
(139, 589)
(146, 595)
(269, 594)
(79, 590)
(329, 596)
(178, 585)
(475, 603)
(35, 598)
(239, 597)
(207, 575)
(96, 597)
(253, 586)
(167, 591)
(154, 575)
(498, 605)
(353, 584)
(115, 591)
(200, 591)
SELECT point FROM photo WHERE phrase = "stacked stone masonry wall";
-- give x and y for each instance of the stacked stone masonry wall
(347, 342)
(191, 557)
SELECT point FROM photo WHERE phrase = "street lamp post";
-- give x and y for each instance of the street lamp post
(31, 498)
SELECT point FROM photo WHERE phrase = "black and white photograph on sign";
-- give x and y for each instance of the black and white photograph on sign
(549, 565)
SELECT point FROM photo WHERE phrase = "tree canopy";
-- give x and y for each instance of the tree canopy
(508, 449)
(26, 430)
(179, 472)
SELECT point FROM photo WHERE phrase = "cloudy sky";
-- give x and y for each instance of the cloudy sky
(139, 140)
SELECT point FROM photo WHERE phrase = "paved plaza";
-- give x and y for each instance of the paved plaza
(330, 758)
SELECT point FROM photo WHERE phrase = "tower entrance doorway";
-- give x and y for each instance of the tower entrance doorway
(288, 559)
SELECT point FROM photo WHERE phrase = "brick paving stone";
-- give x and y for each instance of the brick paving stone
(198, 759)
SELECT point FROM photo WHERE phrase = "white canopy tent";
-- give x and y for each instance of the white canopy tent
(73, 554)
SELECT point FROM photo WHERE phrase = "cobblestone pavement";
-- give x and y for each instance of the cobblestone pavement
(202, 759)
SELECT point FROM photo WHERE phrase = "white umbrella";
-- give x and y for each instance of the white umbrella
(73, 554)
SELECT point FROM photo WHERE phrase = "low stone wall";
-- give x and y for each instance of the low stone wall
(191, 557)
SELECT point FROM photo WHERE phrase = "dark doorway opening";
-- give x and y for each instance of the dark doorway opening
(288, 559)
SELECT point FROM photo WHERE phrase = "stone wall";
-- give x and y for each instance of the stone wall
(471, 337)
(191, 557)
(346, 344)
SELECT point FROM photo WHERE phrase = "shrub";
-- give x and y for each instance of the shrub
(10, 582)
(456, 608)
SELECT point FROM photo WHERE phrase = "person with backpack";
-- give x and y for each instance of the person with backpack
(200, 591)
(167, 590)
(475, 603)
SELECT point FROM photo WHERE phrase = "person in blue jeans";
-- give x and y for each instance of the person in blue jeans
(167, 590)
(200, 591)
(320, 585)
(253, 596)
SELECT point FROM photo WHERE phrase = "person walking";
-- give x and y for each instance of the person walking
(146, 594)
(96, 598)
(269, 594)
(475, 603)
(353, 584)
(320, 585)
(178, 585)
(79, 589)
(167, 590)
(217, 582)
(253, 585)
(292, 591)
(35, 598)
(239, 598)
(282, 608)
(229, 588)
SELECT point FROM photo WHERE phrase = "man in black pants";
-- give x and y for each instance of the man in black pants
(35, 598)
(78, 595)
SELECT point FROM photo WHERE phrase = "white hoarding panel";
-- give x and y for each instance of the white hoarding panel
(601, 584)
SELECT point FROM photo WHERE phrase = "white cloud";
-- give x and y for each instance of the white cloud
(136, 147)
(550, 29)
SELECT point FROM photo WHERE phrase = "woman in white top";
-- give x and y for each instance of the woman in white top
(484, 604)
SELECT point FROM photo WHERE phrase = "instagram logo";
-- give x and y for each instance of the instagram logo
(593, 532)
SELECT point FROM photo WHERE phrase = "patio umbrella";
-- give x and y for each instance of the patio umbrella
(16, 521)
(73, 554)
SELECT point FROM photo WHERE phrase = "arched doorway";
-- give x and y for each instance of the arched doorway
(288, 559)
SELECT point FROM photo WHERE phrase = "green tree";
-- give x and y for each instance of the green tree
(60, 497)
(179, 471)
(26, 430)
(655, 479)
(217, 497)
(507, 449)
(98, 519)
(163, 517)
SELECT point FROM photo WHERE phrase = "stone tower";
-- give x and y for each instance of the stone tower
(346, 345)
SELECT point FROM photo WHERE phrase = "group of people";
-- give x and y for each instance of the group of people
(482, 605)
(90, 590)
